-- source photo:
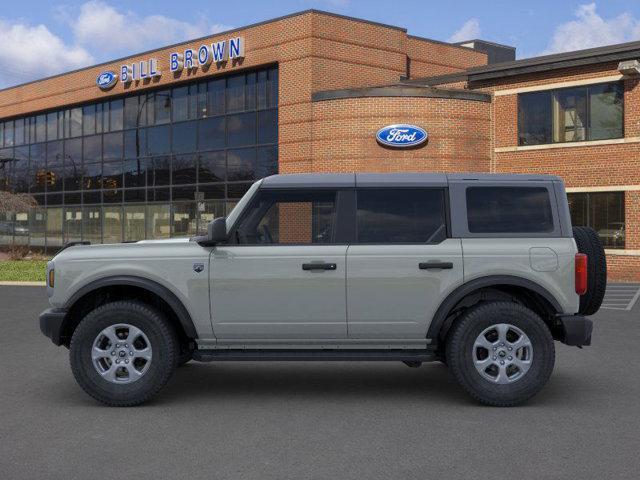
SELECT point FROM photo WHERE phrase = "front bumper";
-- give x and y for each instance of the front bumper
(51, 322)
(576, 330)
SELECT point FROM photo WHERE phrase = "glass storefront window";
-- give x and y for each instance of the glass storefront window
(19, 131)
(21, 228)
(92, 224)
(142, 151)
(602, 211)
(116, 118)
(112, 146)
(112, 225)
(241, 130)
(162, 107)
(208, 212)
(184, 169)
(184, 136)
(158, 221)
(211, 133)
(72, 224)
(216, 97)
(134, 223)
(159, 140)
(180, 104)
(54, 227)
(212, 167)
(37, 226)
(184, 219)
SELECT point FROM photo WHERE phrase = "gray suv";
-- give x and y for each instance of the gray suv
(481, 272)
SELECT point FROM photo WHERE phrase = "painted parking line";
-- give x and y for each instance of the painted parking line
(621, 296)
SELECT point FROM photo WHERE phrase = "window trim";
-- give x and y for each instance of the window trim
(445, 205)
(552, 92)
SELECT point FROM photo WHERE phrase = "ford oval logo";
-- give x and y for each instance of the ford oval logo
(401, 136)
(106, 80)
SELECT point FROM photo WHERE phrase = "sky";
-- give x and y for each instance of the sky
(39, 38)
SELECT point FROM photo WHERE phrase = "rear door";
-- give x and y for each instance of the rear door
(401, 264)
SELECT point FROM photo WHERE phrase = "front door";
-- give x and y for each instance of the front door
(283, 273)
(401, 264)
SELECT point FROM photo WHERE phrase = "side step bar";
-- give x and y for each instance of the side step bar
(315, 355)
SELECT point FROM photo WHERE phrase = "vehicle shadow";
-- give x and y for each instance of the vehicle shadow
(310, 379)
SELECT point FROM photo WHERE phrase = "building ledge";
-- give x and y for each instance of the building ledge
(548, 146)
(400, 91)
(622, 253)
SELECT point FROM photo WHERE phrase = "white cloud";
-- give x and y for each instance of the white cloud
(469, 31)
(105, 29)
(591, 30)
(28, 52)
(99, 32)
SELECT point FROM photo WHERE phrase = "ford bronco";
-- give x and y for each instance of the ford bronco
(481, 272)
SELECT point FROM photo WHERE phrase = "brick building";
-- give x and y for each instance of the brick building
(159, 143)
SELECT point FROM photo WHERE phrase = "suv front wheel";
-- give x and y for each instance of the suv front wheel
(123, 353)
(501, 353)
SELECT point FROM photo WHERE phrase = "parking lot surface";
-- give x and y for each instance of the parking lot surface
(317, 420)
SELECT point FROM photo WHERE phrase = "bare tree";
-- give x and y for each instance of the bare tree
(16, 202)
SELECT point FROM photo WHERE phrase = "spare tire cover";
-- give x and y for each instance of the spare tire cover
(589, 243)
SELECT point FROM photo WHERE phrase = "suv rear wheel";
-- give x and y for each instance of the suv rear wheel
(123, 353)
(501, 353)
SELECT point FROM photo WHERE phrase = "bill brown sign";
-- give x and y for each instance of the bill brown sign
(189, 59)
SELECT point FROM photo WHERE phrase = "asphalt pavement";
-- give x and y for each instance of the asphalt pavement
(317, 420)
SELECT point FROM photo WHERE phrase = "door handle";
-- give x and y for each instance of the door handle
(435, 265)
(319, 266)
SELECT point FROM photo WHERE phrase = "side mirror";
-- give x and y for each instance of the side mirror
(218, 230)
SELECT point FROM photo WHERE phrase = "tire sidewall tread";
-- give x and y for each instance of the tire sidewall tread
(459, 353)
(163, 343)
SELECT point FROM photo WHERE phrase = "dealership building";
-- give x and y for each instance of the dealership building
(157, 144)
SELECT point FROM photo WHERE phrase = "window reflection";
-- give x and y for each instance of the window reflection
(158, 225)
(112, 225)
(174, 142)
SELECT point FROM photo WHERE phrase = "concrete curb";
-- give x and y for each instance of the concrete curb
(23, 284)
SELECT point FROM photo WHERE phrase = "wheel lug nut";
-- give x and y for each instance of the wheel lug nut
(131, 353)
(495, 357)
(510, 357)
(501, 362)
(502, 344)
(126, 361)
(118, 361)
(495, 348)
(113, 352)
(510, 348)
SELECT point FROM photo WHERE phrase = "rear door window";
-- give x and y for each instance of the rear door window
(401, 215)
(509, 210)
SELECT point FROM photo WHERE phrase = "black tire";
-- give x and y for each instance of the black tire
(185, 355)
(589, 243)
(163, 342)
(460, 352)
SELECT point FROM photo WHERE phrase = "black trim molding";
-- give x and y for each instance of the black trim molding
(495, 280)
(400, 91)
(163, 292)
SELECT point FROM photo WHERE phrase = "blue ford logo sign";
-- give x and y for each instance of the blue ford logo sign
(401, 136)
(106, 80)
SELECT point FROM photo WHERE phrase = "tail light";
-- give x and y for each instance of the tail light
(581, 273)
